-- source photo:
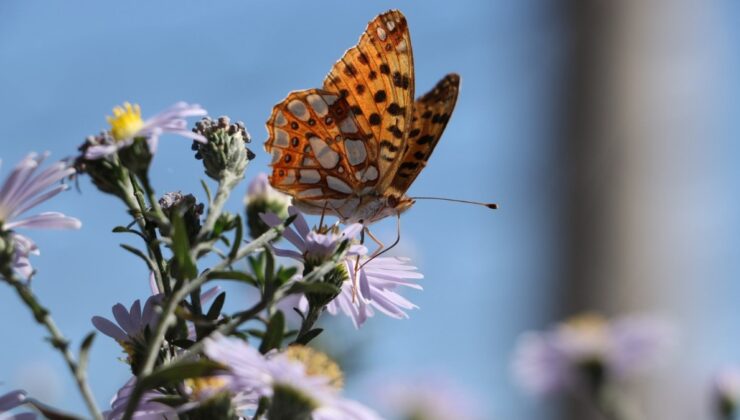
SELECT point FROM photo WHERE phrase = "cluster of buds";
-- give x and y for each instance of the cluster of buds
(225, 151)
(187, 207)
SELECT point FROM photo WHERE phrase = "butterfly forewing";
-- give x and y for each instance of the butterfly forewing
(376, 78)
(318, 151)
(431, 114)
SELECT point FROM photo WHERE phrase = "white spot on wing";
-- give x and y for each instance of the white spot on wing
(275, 155)
(327, 158)
(348, 125)
(313, 192)
(337, 184)
(368, 174)
(381, 34)
(298, 109)
(317, 103)
(281, 137)
(310, 176)
(402, 46)
(391, 25)
(309, 162)
(289, 178)
(280, 119)
(356, 152)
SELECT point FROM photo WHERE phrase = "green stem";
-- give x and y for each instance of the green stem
(308, 322)
(42, 316)
(225, 185)
(179, 295)
(155, 252)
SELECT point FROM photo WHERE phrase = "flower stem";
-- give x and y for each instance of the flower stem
(225, 185)
(179, 295)
(42, 316)
(311, 317)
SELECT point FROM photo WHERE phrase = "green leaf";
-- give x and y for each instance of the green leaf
(232, 275)
(312, 287)
(269, 268)
(139, 254)
(284, 274)
(237, 237)
(218, 305)
(181, 248)
(85, 351)
(206, 189)
(176, 372)
(50, 412)
(310, 335)
(274, 333)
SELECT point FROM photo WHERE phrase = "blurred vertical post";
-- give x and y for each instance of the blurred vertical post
(634, 111)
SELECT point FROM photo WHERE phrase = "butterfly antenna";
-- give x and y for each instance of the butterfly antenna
(492, 206)
(398, 239)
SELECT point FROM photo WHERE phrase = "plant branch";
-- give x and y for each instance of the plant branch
(42, 316)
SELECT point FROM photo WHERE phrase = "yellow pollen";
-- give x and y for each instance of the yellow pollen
(205, 385)
(126, 121)
(317, 364)
(590, 321)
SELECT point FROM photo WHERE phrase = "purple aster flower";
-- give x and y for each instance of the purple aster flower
(282, 376)
(133, 323)
(147, 409)
(13, 400)
(127, 125)
(725, 391)
(428, 398)
(555, 360)
(24, 189)
(372, 284)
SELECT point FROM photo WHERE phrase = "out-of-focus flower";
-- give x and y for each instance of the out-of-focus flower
(13, 400)
(371, 284)
(427, 398)
(225, 152)
(22, 190)
(588, 350)
(262, 198)
(725, 392)
(299, 382)
(127, 125)
(148, 407)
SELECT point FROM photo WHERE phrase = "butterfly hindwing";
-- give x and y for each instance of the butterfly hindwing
(431, 114)
(376, 77)
(319, 154)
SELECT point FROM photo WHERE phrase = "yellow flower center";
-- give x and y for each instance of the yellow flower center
(587, 322)
(126, 121)
(205, 386)
(317, 364)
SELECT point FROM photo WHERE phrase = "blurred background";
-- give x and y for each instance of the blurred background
(606, 131)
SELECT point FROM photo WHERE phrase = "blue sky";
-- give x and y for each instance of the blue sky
(488, 274)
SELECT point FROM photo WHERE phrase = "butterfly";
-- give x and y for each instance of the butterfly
(353, 147)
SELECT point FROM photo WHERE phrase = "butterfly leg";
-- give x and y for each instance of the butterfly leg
(382, 249)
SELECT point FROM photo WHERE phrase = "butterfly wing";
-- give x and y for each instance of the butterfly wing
(431, 114)
(319, 153)
(376, 78)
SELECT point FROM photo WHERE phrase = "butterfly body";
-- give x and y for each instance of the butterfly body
(353, 147)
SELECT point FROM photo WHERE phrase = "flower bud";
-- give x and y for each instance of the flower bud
(262, 198)
(188, 207)
(225, 151)
(290, 403)
(108, 175)
(7, 251)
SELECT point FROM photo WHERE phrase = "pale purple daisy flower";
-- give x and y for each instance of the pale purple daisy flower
(147, 408)
(312, 246)
(127, 125)
(428, 398)
(13, 400)
(133, 323)
(372, 284)
(555, 360)
(273, 374)
(24, 189)
(261, 190)
(725, 391)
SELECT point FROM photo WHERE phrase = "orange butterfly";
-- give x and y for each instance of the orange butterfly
(353, 147)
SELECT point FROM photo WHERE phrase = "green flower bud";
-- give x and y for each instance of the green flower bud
(289, 403)
(262, 198)
(225, 153)
(108, 175)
